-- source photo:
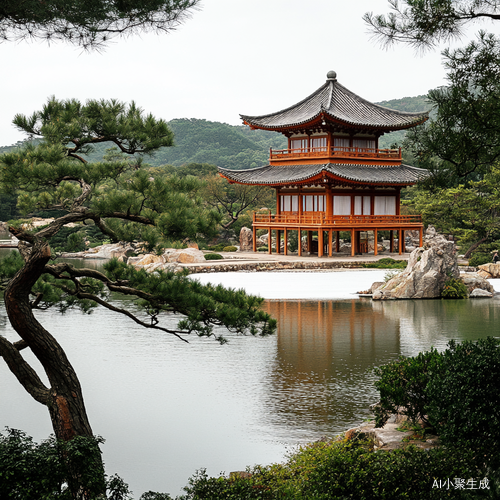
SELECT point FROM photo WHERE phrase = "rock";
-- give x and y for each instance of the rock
(148, 259)
(476, 282)
(484, 274)
(478, 293)
(184, 256)
(376, 285)
(492, 269)
(429, 267)
(246, 240)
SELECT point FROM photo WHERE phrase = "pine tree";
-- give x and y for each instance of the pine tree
(124, 202)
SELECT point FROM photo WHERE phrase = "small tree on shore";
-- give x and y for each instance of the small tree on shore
(124, 202)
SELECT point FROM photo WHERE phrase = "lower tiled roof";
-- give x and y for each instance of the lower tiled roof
(288, 174)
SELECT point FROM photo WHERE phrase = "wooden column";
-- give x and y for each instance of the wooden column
(337, 241)
(320, 243)
(254, 241)
(375, 243)
(269, 240)
(278, 241)
(400, 241)
(330, 243)
(353, 242)
(329, 203)
(421, 237)
(300, 205)
(285, 241)
(391, 239)
(309, 240)
(299, 248)
(278, 204)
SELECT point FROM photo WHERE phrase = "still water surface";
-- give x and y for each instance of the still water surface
(167, 408)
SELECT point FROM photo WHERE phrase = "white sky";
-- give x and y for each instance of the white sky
(233, 56)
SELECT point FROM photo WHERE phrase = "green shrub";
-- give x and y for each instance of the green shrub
(229, 248)
(213, 256)
(40, 471)
(464, 393)
(478, 259)
(402, 386)
(217, 248)
(454, 289)
(387, 263)
(344, 469)
(262, 249)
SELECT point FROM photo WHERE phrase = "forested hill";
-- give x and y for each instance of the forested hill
(236, 146)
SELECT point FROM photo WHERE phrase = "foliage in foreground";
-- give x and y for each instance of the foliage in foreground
(456, 392)
(346, 469)
(454, 288)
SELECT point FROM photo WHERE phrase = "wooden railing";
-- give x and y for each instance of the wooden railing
(320, 219)
(336, 151)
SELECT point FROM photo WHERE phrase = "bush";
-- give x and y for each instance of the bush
(262, 249)
(344, 469)
(387, 263)
(464, 393)
(229, 248)
(454, 289)
(478, 259)
(217, 248)
(40, 471)
(402, 386)
(213, 256)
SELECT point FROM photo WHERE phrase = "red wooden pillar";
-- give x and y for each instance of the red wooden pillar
(391, 239)
(353, 242)
(330, 243)
(421, 237)
(375, 244)
(309, 240)
(278, 241)
(269, 240)
(320, 243)
(400, 241)
(254, 241)
(300, 242)
(285, 241)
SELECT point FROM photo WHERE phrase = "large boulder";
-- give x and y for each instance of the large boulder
(476, 282)
(429, 267)
(246, 240)
(184, 256)
(489, 270)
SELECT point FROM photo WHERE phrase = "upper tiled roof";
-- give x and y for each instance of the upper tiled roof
(333, 101)
(276, 175)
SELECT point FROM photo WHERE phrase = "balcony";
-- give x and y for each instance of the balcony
(319, 220)
(335, 153)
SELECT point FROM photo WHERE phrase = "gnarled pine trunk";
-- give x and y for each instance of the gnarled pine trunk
(63, 397)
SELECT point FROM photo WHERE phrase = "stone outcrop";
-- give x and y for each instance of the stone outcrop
(428, 269)
(489, 271)
(478, 294)
(475, 282)
(246, 240)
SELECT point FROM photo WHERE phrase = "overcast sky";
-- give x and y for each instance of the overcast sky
(233, 56)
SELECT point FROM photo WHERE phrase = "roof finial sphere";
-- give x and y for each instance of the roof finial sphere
(331, 75)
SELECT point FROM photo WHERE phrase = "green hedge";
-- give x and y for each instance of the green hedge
(213, 256)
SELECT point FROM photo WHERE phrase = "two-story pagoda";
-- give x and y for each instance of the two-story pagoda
(333, 177)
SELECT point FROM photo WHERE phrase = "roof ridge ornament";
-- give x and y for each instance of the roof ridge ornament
(331, 76)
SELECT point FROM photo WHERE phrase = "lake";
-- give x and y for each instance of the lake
(167, 408)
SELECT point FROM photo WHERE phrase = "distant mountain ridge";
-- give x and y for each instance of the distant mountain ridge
(236, 146)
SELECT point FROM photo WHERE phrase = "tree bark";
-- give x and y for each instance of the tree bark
(474, 246)
(64, 397)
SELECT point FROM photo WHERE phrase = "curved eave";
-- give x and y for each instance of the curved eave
(337, 104)
(366, 175)
(318, 118)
